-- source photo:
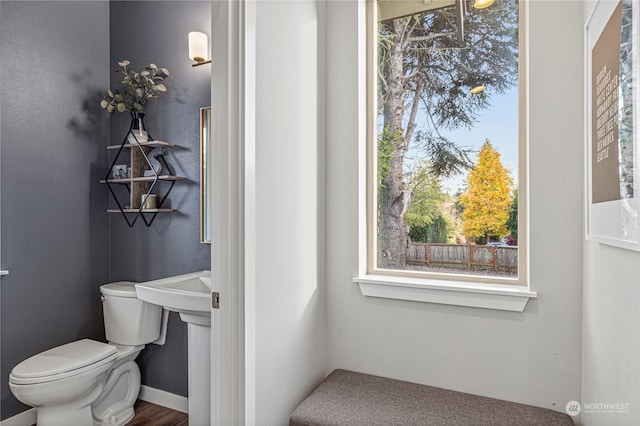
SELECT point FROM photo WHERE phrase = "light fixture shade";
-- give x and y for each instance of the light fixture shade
(481, 4)
(198, 46)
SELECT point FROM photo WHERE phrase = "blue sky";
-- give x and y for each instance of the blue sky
(499, 124)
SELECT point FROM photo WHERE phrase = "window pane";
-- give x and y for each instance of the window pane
(447, 141)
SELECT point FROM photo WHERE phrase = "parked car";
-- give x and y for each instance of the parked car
(497, 244)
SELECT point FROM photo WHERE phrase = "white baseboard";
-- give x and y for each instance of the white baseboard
(152, 395)
(26, 418)
(163, 398)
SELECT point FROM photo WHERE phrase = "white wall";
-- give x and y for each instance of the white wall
(286, 322)
(532, 357)
(611, 334)
(610, 330)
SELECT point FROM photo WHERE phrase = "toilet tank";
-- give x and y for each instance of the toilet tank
(127, 319)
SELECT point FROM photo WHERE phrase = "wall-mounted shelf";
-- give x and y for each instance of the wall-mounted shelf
(142, 211)
(141, 179)
(148, 144)
(145, 172)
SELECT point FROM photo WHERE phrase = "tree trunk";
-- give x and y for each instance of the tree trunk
(394, 198)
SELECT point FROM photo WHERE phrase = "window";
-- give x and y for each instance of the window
(445, 151)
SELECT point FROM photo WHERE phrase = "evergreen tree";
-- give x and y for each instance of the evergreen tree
(439, 231)
(429, 217)
(426, 196)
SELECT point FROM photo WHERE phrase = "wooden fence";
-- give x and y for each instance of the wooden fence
(464, 256)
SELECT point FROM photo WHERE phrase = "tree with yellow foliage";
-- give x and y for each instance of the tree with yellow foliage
(487, 201)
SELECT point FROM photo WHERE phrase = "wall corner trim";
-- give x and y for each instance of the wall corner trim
(162, 398)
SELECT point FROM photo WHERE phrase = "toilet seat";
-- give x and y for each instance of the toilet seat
(62, 362)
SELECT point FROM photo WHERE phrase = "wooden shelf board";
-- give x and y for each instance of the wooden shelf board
(143, 211)
(152, 178)
(150, 144)
(143, 179)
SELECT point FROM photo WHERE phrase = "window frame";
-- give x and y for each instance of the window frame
(457, 289)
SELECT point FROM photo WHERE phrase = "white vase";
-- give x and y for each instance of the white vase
(139, 136)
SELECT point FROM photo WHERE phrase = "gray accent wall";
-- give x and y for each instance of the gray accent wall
(157, 31)
(55, 235)
(57, 240)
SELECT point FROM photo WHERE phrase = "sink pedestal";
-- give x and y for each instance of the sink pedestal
(190, 296)
(199, 374)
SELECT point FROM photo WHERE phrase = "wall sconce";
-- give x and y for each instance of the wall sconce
(478, 89)
(482, 4)
(198, 48)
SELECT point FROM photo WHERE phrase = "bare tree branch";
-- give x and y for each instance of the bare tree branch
(411, 125)
(382, 80)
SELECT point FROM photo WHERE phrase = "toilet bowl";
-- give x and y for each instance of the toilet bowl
(88, 382)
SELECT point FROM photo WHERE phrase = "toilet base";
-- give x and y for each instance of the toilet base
(75, 413)
(119, 419)
(56, 416)
(114, 407)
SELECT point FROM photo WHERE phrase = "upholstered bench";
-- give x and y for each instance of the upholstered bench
(348, 398)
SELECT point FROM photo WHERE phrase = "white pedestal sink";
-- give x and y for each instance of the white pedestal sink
(190, 296)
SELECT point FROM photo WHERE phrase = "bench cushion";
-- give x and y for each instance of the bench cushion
(349, 398)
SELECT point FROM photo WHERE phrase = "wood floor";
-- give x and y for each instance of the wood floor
(148, 414)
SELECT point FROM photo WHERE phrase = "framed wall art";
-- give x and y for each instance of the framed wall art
(611, 116)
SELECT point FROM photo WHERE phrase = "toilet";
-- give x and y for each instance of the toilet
(88, 382)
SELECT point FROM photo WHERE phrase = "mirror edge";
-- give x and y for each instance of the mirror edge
(205, 190)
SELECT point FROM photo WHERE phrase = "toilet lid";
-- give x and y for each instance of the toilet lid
(120, 289)
(63, 361)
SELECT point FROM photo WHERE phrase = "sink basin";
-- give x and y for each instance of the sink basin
(188, 294)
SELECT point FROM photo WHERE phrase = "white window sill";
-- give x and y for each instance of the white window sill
(477, 295)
